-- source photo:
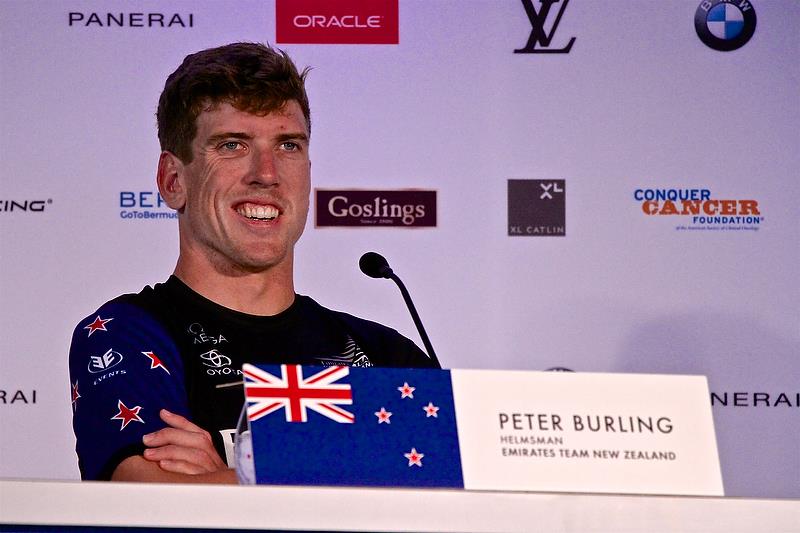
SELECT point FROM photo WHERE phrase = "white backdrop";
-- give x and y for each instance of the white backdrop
(638, 102)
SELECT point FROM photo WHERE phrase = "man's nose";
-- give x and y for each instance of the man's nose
(263, 170)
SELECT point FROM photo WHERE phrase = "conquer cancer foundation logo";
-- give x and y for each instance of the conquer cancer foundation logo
(693, 209)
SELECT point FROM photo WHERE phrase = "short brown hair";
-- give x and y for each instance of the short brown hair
(252, 77)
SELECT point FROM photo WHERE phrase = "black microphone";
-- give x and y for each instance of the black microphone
(375, 265)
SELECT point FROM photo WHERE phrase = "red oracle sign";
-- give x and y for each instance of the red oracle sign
(337, 21)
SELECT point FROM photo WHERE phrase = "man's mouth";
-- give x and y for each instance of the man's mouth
(257, 212)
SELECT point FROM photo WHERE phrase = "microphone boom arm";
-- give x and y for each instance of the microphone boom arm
(415, 316)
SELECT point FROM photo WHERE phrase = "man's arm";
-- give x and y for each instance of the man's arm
(180, 453)
(137, 468)
(124, 368)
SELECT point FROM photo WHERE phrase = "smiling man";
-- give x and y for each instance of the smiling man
(156, 375)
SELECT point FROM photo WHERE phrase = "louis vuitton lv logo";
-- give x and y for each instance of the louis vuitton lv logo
(539, 36)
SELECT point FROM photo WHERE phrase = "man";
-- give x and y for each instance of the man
(156, 375)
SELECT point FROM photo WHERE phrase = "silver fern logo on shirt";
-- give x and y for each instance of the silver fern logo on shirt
(352, 355)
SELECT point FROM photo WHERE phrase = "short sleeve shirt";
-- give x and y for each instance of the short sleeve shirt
(168, 347)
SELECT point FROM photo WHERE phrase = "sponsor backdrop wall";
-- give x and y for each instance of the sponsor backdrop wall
(605, 189)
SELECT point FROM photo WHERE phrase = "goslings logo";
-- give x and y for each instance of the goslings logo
(539, 39)
(122, 19)
(144, 205)
(537, 208)
(339, 22)
(398, 208)
(699, 210)
(725, 25)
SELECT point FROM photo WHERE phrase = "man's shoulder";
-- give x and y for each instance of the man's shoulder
(384, 345)
(130, 308)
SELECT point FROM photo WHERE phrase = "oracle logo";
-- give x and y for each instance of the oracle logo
(340, 22)
(346, 21)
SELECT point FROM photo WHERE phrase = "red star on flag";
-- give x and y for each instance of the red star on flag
(155, 362)
(383, 416)
(127, 415)
(414, 457)
(406, 391)
(75, 394)
(99, 324)
(431, 410)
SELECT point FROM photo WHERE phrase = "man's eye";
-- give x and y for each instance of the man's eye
(290, 146)
(231, 145)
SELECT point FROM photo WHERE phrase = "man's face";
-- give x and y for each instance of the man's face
(247, 188)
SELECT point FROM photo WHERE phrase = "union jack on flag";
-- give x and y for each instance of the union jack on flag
(266, 393)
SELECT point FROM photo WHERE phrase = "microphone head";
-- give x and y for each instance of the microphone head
(374, 265)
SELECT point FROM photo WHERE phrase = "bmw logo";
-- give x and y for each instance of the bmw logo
(723, 25)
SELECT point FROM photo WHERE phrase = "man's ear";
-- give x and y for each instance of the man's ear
(170, 179)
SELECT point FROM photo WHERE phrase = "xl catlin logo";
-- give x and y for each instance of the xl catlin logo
(537, 208)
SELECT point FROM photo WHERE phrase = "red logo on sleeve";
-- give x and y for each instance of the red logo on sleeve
(127, 415)
(155, 362)
(99, 324)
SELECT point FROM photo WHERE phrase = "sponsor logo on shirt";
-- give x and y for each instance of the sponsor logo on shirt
(102, 363)
(218, 364)
(352, 355)
(201, 337)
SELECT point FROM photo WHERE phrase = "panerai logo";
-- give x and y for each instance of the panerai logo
(121, 19)
(404, 208)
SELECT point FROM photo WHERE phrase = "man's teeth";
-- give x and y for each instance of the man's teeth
(258, 212)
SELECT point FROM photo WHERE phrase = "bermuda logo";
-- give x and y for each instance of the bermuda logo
(540, 39)
(725, 25)
(148, 205)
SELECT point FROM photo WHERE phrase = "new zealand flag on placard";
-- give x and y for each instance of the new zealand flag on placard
(352, 426)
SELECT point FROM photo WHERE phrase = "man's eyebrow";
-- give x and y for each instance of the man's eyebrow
(299, 136)
(217, 137)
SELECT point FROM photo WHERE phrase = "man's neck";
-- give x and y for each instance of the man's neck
(264, 293)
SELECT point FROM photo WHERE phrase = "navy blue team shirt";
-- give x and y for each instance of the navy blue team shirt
(168, 347)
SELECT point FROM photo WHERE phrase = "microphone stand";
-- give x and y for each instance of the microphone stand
(414, 315)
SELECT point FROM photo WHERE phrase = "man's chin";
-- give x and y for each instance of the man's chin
(256, 264)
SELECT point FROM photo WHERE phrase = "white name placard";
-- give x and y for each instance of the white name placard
(586, 432)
